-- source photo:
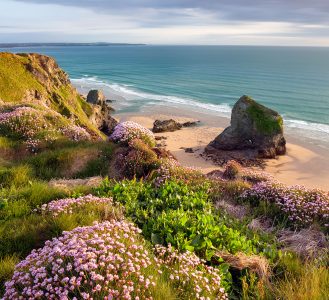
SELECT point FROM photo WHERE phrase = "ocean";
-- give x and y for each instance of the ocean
(209, 79)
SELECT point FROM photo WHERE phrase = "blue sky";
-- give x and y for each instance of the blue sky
(211, 22)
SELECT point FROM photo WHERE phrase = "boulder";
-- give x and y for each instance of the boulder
(254, 128)
(96, 97)
(171, 125)
(190, 123)
(166, 125)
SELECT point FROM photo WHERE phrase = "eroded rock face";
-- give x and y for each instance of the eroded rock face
(96, 97)
(253, 127)
(101, 112)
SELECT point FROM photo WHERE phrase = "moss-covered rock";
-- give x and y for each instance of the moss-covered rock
(253, 127)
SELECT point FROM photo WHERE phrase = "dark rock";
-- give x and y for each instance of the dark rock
(101, 112)
(166, 125)
(96, 97)
(256, 131)
(163, 153)
(189, 150)
(190, 123)
(159, 138)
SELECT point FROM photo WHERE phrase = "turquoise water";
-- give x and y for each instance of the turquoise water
(293, 81)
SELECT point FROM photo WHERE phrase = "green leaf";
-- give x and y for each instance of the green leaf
(156, 239)
(197, 241)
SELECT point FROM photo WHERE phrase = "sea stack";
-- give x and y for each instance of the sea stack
(255, 130)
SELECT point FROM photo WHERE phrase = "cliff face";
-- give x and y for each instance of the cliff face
(37, 79)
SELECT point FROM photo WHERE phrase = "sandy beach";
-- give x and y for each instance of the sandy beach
(304, 163)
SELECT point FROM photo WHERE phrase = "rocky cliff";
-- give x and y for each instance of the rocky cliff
(37, 80)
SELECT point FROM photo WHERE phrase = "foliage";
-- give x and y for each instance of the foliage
(109, 260)
(298, 205)
(125, 132)
(171, 169)
(232, 170)
(182, 215)
(68, 205)
(199, 280)
(139, 160)
(37, 126)
(84, 159)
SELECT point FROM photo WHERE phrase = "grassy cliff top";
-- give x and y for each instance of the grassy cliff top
(37, 79)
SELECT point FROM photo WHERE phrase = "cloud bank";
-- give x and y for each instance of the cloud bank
(265, 22)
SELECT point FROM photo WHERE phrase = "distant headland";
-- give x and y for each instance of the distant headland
(27, 45)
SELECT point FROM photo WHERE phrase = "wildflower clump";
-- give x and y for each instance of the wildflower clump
(34, 126)
(125, 132)
(302, 206)
(194, 279)
(103, 261)
(69, 204)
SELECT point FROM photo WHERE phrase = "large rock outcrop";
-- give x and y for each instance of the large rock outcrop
(96, 97)
(255, 130)
(101, 114)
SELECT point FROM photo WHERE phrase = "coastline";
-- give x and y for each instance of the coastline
(304, 164)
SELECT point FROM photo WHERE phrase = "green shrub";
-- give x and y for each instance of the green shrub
(182, 215)
(140, 160)
(232, 170)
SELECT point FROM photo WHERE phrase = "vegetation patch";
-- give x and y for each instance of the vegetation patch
(264, 120)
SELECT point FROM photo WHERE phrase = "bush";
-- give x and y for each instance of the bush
(298, 205)
(125, 132)
(35, 126)
(109, 260)
(182, 215)
(232, 170)
(139, 161)
(171, 169)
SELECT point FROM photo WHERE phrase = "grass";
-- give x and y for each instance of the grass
(7, 265)
(72, 160)
(15, 80)
(301, 281)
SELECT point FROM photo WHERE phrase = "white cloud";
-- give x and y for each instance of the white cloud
(56, 23)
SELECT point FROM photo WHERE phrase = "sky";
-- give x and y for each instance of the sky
(191, 22)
